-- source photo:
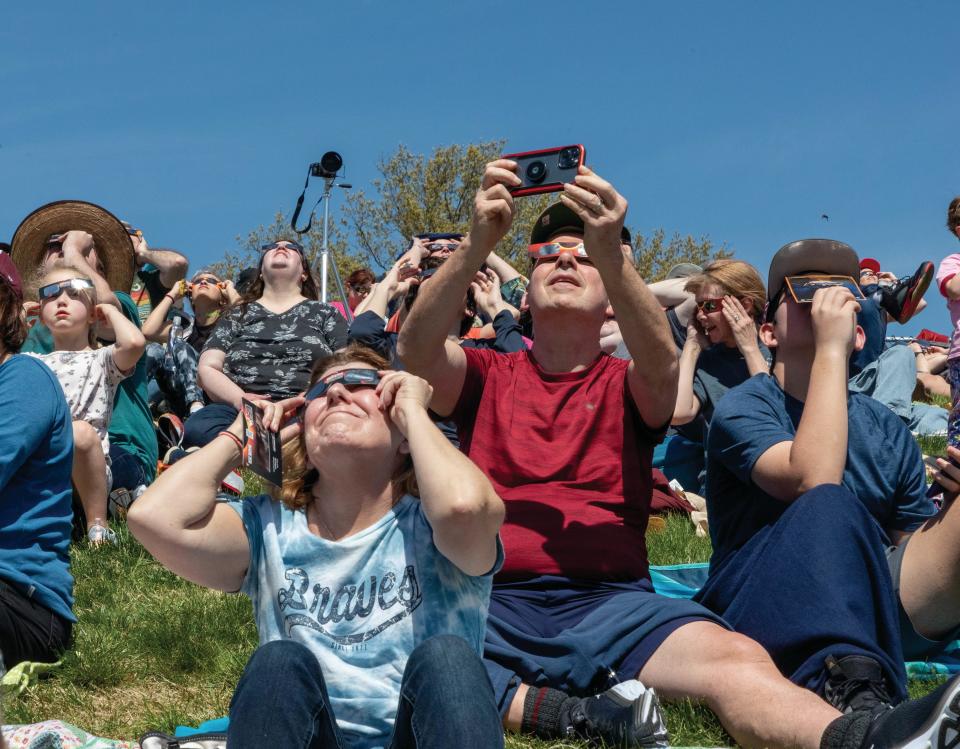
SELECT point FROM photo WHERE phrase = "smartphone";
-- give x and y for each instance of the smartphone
(546, 170)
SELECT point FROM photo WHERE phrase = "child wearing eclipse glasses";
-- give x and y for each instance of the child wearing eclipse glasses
(89, 377)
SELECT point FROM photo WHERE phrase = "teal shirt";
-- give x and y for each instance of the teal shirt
(132, 424)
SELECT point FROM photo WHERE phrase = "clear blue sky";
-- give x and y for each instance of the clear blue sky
(743, 121)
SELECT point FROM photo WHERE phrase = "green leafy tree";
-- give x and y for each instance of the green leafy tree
(415, 193)
(654, 255)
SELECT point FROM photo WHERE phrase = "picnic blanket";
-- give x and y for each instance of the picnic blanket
(55, 734)
(684, 580)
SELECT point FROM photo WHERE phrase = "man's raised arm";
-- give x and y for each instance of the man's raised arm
(423, 346)
(652, 375)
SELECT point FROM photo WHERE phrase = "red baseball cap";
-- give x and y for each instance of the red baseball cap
(10, 275)
(869, 263)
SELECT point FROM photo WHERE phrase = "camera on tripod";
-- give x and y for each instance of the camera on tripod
(328, 166)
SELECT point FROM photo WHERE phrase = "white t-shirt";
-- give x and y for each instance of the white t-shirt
(360, 604)
(89, 380)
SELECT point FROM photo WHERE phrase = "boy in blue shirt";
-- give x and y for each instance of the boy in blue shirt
(810, 489)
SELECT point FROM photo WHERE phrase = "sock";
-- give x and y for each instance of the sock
(846, 732)
(543, 711)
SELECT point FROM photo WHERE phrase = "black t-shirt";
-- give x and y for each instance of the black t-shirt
(272, 354)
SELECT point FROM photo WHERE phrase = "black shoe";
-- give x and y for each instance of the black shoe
(627, 715)
(855, 683)
(902, 299)
(931, 722)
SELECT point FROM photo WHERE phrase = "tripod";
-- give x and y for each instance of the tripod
(325, 264)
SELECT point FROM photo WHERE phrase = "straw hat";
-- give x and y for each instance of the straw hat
(110, 238)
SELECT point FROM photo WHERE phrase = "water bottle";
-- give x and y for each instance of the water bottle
(176, 331)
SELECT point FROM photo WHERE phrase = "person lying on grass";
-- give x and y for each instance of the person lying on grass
(36, 441)
(826, 550)
(370, 602)
(89, 376)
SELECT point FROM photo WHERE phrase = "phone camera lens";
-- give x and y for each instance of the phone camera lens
(569, 158)
(536, 172)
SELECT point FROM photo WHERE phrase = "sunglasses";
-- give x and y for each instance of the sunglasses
(283, 243)
(361, 290)
(73, 287)
(710, 305)
(207, 280)
(348, 378)
(55, 240)
(553, 249)
(442, 246)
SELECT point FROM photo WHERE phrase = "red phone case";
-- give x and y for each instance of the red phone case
(554, 177)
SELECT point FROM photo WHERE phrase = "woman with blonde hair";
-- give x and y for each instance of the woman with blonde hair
(722, 347)
(370, 601)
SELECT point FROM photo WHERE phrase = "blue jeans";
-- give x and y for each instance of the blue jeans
(126, 468)
(445, 701)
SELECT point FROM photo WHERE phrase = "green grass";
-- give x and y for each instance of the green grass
(152, 651)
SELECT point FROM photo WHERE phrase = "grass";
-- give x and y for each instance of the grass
(152, 651)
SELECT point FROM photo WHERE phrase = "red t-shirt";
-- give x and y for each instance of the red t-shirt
(571, 458)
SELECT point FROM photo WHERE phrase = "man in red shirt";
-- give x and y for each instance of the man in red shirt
(566, 435)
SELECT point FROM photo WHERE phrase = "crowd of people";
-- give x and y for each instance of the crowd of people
(457, 547)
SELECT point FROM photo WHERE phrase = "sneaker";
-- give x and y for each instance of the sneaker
(233, 483)
(855, 683)
(97, 535)
(169, 431)
(931, 722)
(627, 715)
(902, 300)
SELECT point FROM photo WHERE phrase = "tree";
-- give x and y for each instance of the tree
(416, 194)
(654, 256)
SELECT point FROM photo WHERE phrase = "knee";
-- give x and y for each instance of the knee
(726, 650)
(85, 437)
(830, 501)
(441, 656)
(282, 656)
(442, 652)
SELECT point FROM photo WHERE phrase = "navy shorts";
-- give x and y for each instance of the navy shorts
(579, 637)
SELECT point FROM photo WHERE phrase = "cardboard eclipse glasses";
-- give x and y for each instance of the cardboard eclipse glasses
(802, 288)
(554, 249)
(347, 377)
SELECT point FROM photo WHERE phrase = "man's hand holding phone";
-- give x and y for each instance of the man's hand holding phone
(602, 210)
(493, 207)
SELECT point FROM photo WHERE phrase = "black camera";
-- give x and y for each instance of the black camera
(328, 166)
(536, 172)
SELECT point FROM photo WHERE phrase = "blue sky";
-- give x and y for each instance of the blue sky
(743, 121)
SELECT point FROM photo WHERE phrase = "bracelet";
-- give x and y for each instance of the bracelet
(172, 300)
(234, 437)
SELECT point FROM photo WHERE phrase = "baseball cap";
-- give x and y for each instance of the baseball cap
(806, 256)
(869, 263)
(434, 237)
(10, 275)
(557, 219)
(684, 270)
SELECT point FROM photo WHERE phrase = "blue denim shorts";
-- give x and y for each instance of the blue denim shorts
(579, 637)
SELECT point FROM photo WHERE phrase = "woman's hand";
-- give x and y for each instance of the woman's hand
(486, 293)
(742, 326)
(695, 337)
(948, 474)
(402, 395)
(283, 417)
